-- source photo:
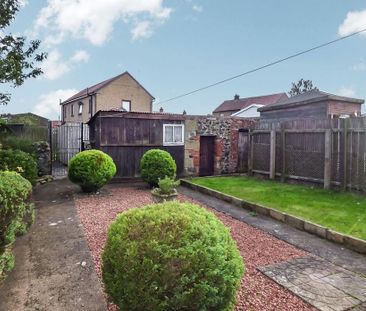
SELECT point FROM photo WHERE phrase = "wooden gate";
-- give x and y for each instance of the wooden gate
(243, 150)
(207, 155)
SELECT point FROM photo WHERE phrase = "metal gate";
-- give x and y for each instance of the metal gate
(66, 141)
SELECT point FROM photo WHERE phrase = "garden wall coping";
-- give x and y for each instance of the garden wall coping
(347, 241)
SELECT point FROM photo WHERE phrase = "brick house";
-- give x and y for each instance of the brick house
(246, 107)
(122, 92)
(314, 104)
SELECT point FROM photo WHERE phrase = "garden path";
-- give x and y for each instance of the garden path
(54, 269)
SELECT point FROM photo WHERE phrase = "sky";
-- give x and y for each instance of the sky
(175, 46)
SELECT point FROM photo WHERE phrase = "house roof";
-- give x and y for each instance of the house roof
(95, 88)
(312, 96)
(247, 108)
(241, 103)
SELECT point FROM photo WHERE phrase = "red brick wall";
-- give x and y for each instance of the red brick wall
(343, 108)
(226, 131)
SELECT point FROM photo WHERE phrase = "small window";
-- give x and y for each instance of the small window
(173, 134)
(80, 107)
(90, 104)
(126, 105)
(72, 110)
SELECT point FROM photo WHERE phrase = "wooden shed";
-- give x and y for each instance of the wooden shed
(314, 104)
(126, 136)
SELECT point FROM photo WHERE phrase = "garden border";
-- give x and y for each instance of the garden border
(347, 241)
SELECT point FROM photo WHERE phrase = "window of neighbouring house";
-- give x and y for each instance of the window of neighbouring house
(173, 134)
(80, 107)
(126, 105)
(72, 110)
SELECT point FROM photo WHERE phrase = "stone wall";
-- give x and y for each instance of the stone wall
(225, 129)
(43, 156)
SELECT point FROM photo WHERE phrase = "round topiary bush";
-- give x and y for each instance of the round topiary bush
(156, 164)
(171, 256)
(91, 169)
(21, 162)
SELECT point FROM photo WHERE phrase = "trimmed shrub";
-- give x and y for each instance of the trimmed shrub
(171, 256)
(16, 214)
(18, 143)
(156, 164)
(91, 169)
(19, 161)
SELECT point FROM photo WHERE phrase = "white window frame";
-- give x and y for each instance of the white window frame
(177, 143)
(129, 104)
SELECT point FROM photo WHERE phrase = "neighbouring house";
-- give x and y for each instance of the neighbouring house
(314, 104)
(122, 92)
(27, 118)
(247, 107)
(200, 145)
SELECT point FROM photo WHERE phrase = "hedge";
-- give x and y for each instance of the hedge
(21, 162)
(16, 214)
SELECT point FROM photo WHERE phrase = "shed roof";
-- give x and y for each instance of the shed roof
(94, 88)
(241, 103)
(312, 96)
(137, 115)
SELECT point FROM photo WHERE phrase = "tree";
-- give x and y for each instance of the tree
(302, 86)
(18, 58)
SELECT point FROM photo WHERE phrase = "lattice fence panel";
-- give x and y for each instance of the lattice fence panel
(305, 155)
(261, 151)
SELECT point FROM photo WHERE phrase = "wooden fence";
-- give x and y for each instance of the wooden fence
(331, 151)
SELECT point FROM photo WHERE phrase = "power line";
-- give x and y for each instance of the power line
(263, 67)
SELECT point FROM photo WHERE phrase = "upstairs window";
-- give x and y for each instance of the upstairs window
(173, 134)
(72, 110)
(126, 105)
(80, 108)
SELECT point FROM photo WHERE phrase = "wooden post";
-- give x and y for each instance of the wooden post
(327, 158)
(283, 142)
(272, 165)
(251, 153)
(345, 153)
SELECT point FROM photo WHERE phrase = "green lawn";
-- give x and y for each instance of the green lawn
(342, 212)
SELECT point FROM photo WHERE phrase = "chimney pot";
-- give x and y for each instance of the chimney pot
(236, 97)
(161, 109)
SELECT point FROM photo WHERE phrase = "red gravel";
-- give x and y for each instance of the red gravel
(257, 292)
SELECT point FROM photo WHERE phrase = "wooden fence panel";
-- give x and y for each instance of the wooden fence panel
(331, 151)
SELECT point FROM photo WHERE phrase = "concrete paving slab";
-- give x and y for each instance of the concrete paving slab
(48, 274)
(320, 283)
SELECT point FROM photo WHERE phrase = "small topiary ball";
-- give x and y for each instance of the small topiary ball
(156, 164)
(171, 256)
(91, 169)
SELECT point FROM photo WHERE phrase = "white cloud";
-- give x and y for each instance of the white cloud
(94, 20)
(55, 67)
(80, 56)
(197, 8)
(347, 91)
(360, 66)
(49, 104)
(142, 30)
(355, 21)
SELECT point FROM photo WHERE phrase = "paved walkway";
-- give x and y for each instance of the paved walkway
(332, 278)
(54, 270)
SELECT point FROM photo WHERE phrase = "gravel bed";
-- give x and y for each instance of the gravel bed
(257, 292)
